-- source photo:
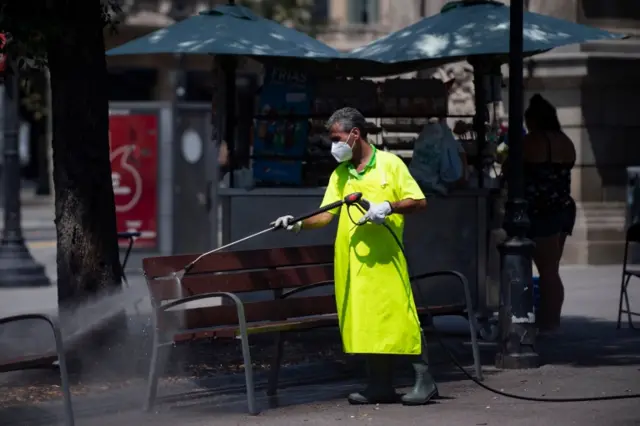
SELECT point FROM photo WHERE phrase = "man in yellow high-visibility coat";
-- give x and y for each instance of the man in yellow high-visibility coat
(375, 305)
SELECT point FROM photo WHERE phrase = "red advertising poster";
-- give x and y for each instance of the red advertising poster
(133, 139)
(3, 57)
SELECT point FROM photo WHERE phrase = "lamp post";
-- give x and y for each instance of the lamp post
(17, 266)
(517, 345)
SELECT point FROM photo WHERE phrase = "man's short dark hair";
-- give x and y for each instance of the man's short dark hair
(347, 119)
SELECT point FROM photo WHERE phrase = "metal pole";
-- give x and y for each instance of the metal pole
(517, 346)
(179, 91)
(480, 119)
(229, 66)
(49, 133)
(44, 145)
(17, 266)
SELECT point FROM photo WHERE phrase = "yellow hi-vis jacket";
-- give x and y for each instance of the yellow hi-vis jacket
(375, 304)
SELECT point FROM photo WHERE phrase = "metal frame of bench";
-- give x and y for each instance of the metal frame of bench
(162, 340)
(159, 342)
(22, 364)
(155, 269)
(272, 387)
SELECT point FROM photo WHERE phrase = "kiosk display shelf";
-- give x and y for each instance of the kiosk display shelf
(294, 111)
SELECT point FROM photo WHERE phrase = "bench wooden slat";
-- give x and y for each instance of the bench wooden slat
(239, 260)
(28, 362)
(246, 272)
(271, 310)
(329, 320)
(239, 282)
(442, 310)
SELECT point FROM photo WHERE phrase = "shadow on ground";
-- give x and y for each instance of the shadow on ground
(207, 376)
(590, 342)
(202, 372)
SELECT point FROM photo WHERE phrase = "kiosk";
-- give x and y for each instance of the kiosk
(290, 164)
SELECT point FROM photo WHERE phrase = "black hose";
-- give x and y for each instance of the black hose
(464, 371)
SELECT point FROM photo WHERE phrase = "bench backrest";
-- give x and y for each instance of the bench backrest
(243, 272)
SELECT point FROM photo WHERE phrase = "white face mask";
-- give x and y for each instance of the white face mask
(341, 151)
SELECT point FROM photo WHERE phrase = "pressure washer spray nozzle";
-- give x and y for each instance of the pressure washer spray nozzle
(353, 198)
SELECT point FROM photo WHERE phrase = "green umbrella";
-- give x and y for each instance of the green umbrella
(229, 30)
(464, 29)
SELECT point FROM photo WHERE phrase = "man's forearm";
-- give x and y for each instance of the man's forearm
(317, 221)
(408, 205)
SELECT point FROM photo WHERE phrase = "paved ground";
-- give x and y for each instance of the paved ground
(589, 357)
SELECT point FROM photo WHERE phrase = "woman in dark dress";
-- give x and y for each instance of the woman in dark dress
(549, 156)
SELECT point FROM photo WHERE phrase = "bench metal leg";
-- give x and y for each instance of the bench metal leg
(470, 313)
(244, 341)
(64, 375)
(159, 357)
(274, 373)
(248, 368)
(62, 360)
(424, 355)
(475, 348)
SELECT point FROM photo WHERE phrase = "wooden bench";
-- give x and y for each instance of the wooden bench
(43, 361)
(286, 272)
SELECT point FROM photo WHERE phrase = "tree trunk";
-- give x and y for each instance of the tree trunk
(87, 257)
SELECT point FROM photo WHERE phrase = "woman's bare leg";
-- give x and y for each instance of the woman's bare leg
(547, 258)
(563, 239)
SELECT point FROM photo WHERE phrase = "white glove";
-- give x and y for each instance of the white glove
(284, 222)
(378, 212)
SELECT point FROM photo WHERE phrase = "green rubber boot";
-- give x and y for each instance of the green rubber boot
(424, 388)
(379, 388)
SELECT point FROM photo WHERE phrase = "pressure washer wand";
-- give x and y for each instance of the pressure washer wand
(350, 199)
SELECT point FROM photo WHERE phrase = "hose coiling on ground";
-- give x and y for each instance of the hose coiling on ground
(464, 371)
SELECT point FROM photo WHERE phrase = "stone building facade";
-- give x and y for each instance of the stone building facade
(594, 87)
